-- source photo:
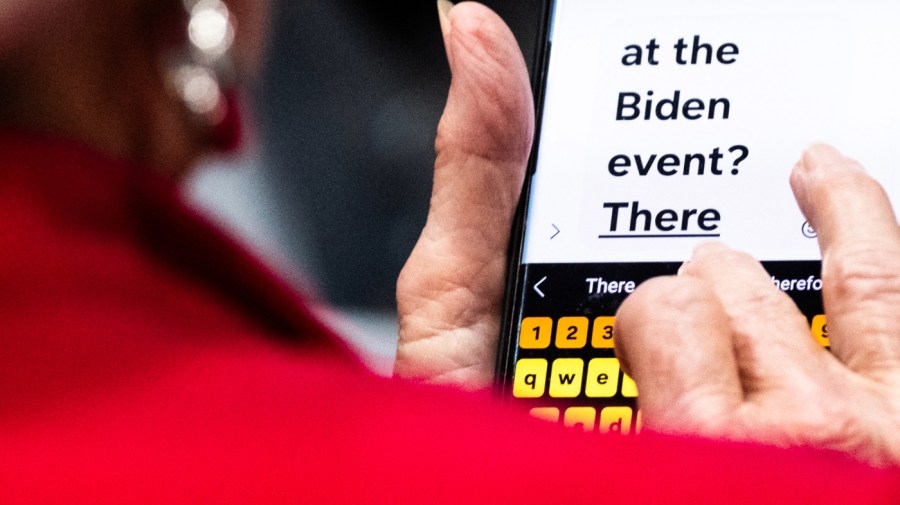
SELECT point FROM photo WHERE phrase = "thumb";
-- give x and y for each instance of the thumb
(451, 290)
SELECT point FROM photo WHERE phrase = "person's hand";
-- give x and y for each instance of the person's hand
(450, 292)
(719, 351)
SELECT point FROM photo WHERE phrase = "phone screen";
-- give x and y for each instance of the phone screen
(664, 124)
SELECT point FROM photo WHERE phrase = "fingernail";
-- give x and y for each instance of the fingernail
(444, 7)
(819, 156)
(683, 268)
(818, 161)
(798, 183)
(811, 156)
(709, 248)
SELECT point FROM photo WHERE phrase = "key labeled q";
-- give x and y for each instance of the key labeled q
(531, 378)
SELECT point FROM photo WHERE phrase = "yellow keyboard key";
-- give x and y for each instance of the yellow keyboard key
(580, 416)
(531, 378)
(820, 330)
(545, 413)
(536, 333)
(602, 338)
(572, 332)
(602, 378)
(565, 378)
(615, 420)
(629, 388)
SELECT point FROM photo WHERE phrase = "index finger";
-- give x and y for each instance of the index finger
(673, 336)
(860, 244)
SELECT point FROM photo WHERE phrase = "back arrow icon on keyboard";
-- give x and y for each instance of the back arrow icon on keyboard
(536, 288)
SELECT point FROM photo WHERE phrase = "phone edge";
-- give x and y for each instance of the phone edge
(512, 293)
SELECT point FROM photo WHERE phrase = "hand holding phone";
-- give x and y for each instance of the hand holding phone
(446, 344)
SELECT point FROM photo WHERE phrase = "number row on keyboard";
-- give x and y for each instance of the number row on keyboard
(573, 332)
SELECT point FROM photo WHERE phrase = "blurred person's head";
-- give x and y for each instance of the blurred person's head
(100, 72)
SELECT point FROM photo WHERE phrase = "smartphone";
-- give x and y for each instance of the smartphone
(663, 124)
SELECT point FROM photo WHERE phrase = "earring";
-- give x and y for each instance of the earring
(202, 74)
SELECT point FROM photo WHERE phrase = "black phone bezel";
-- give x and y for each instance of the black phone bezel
(506, 351)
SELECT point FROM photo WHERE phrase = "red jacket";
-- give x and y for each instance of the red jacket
(146, 358)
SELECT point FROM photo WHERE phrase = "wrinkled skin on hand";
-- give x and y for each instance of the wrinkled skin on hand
(450, 292)
(738, 361)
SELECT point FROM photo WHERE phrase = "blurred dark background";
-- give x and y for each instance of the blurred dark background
(349, 107)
